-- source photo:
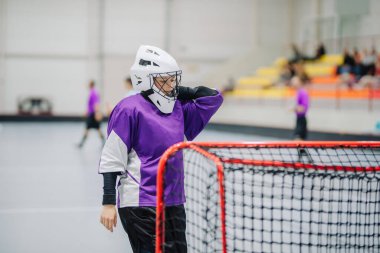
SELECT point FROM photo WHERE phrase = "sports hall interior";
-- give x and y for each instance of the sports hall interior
(51, 49)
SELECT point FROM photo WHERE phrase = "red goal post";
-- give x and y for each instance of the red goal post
(303, 148)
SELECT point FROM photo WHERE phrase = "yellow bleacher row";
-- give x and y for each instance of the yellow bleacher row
(267, 76)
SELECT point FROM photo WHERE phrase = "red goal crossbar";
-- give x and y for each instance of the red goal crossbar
(202, 148)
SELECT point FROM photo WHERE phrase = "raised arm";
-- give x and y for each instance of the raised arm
(199, 105)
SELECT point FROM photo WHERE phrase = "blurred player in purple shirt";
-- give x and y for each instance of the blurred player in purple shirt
(141, 127)
(93, 114)
(301, 108)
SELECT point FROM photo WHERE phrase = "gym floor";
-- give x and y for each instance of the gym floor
(50, 191)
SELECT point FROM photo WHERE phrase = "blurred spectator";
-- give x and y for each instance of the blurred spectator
(347, 79)
(348, 63)
(346, 70)
(377, 75)
(130, 92)
(372, 80)
(368, 62)
(301, 73)
(297, 55)
(229, 87)
(319, 52)
(286, 74)
(358, 67)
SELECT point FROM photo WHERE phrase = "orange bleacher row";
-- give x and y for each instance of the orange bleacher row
(323, 77)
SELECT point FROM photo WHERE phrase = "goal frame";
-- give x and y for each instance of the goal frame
(198, 147)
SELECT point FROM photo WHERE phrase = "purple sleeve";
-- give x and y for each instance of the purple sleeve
(198, 112)
(303, 100)
(96, 98)
(120, 122)
(93, 100)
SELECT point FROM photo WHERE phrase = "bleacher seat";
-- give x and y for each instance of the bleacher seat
(322, 73)
(332, 59)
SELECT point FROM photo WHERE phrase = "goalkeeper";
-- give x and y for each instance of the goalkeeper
(141, 127)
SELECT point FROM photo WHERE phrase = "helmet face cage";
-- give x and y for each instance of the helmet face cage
(160, 81)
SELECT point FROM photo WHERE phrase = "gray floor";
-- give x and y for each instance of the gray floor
(50, 191)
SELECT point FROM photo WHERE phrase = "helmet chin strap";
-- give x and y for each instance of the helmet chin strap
(159, 101)
(147, 93)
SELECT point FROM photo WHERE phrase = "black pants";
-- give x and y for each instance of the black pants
(140, 225)
(301, 128)
(91, 122)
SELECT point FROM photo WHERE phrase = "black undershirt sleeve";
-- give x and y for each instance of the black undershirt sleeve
(109, 188)
(187, 93)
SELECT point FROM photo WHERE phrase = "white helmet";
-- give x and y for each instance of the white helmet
(152, 64)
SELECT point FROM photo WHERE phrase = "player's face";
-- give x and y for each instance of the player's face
(165, 84)
(296, 82)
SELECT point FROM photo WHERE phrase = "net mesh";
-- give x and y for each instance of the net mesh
(313, 198)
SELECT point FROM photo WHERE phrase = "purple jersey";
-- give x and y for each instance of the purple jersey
(93, 100)
(138, 135)
(302, 100)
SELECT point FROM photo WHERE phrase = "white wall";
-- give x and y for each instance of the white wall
(53, 48)
(129, 24)
(356, 30)
(45, 53)
(201, 35)
(46, 27)
(2, 54)
(212, 30)
(273, 21)
(369, 24)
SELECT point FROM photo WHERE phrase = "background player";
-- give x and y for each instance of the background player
(128, 85)
(94, 115)
(301, 108)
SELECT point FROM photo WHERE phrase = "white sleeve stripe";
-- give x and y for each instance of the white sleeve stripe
(114, 155)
